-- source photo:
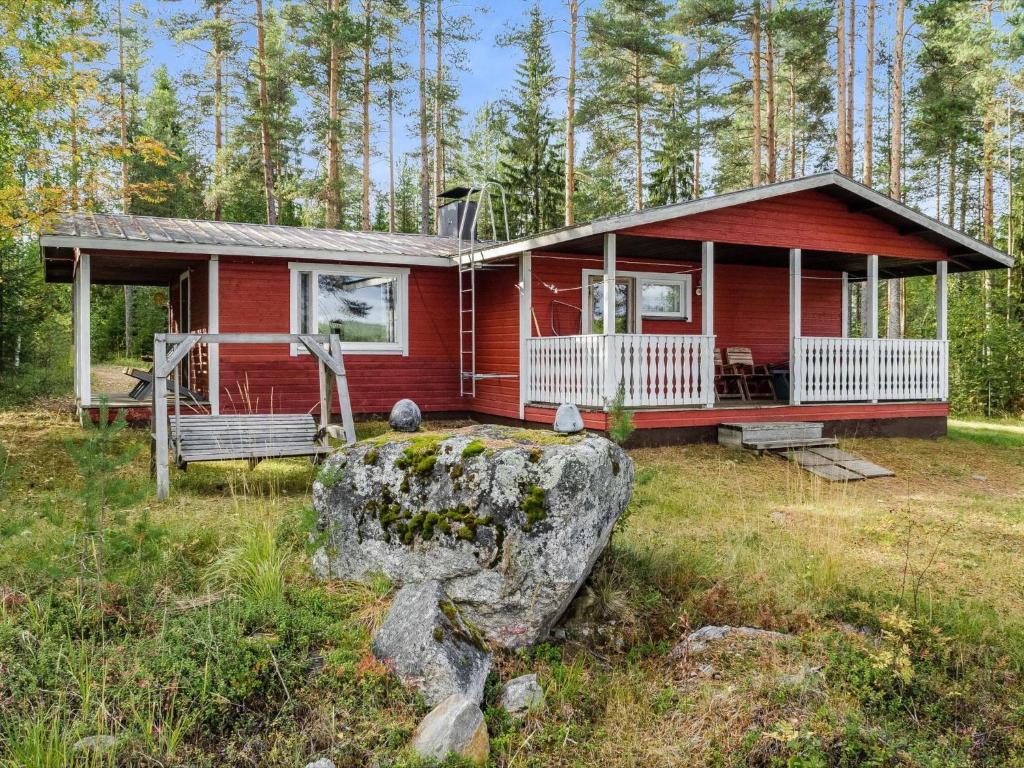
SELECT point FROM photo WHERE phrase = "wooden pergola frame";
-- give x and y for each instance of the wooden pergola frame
(166, 361)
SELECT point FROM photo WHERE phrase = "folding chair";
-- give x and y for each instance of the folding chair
(728, 385)
(757, 380)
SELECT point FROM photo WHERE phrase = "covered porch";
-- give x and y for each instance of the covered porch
(687, 370)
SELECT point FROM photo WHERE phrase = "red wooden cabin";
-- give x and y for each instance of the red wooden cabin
(769, 269)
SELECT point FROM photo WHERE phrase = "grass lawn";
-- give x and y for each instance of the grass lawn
(191, 632)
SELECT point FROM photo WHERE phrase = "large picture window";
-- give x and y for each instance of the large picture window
(365, 306)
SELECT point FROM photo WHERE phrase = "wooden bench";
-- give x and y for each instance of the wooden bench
(252, 437)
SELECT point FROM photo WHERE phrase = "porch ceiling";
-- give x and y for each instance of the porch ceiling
(119, 267)
(670, 249)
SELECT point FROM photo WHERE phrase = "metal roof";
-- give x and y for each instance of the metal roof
(151, 233)
(975, 254)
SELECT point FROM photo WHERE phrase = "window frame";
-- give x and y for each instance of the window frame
(400, 346)
(638, 280)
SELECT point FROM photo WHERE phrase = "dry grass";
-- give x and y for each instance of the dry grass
(714, 536)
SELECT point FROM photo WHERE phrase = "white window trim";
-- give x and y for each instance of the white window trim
(639, 279)
(398, 347)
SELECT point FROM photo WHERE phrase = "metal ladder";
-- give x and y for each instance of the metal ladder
(467, 256)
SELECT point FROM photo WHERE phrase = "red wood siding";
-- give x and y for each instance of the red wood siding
(811, 220)
(702, 417)
(255, 297)
(497, 341)
(751, 303)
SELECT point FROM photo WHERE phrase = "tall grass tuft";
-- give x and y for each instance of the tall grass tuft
(253, 568)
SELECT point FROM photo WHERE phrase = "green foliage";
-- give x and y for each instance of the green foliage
(475, 448)
(620, 420)
(533, 506)
(255, 567)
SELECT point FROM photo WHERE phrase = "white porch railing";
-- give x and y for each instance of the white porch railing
(831, 369)
(654, 370)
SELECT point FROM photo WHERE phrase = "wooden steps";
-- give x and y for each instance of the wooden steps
(801, 442)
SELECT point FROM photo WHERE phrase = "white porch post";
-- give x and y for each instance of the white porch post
(213, 326)
(525, 327)
(81, 317)
(846, 305)
(707, 317)
(941, 313)
(608, 314)
(871, 331)
(795, 325)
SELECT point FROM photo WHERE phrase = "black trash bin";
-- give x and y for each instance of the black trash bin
(780, 381)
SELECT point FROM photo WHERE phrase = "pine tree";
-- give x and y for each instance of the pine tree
(627, 42)
(531, 164)
(168, 172)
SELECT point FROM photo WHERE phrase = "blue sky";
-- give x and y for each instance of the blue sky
(490, 70)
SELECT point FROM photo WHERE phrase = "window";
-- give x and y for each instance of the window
(365, 306)
(665, 297)
(638, 295)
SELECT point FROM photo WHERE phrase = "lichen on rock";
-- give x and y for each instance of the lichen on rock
(509, 522)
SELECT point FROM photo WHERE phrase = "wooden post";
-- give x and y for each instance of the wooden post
(941, 321)
(526, 327)
(213, 326)
(941, 300)
(82, 335)
(341, 384)
(707, 317)
(845, 333)
(795, 325)
(611, 383)
(163, 480)
(871, 332)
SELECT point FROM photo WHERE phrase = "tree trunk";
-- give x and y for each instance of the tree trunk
(769, 63)
(755, 105)
(851, 73)
(570, 112)
(332, 202)
(791, 151)
(951, 189)
(218, 113)
(264, 98)
(391, 130)
(841, 102)
(424, 156)
(367, 46)
(988, 163)
(698, 93)
(438, 126)
(896, 118)
(869, 97)
(125, 194)
(638, 137)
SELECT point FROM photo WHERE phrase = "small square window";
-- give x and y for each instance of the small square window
(665, 298)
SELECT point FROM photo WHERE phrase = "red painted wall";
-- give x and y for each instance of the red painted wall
(255, 297)
(810, 220)
(751, 303)
(497, 341)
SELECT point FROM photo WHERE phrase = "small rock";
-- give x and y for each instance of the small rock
(98, 743)
(700, 640)
(323, 762)
(455, 725)
(405, 416)
(428, 644)
(522, 694)
(568, 420)
(979, 478)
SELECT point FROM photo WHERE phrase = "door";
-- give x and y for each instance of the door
(185, 322)
(625, 304)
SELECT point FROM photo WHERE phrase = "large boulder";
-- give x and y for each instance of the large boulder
(428, 645)
(405, 416)
(509, 524)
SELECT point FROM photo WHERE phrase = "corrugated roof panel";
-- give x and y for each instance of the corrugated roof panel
(120, 229)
